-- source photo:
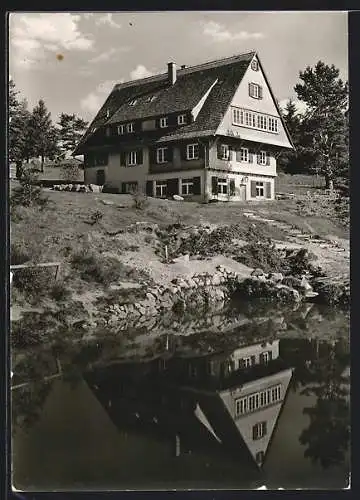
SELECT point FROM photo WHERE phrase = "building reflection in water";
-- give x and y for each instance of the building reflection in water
(227, 402)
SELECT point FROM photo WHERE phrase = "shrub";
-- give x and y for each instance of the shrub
(59, 292)
(96, 267)
(28, 193)
(140, 200)
(19, 253)
(33, 282)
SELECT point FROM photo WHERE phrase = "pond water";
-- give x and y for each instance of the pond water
(235, 399)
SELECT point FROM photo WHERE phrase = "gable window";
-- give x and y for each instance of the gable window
(255, 91)
(222, 186)
(262, 122)
(254, 65)
(132, 158)
(187, 186)
(259, 430)
(238, 116)
(130, 127)
(257, 400)
(181, 119)
(163, 122)
(240, 406)
(192, 151)
(162, 155)
(121, 129)
(250, 119)
(160, 188)
(133, 102)
(224, 152)
(273, 124)
(263, 158)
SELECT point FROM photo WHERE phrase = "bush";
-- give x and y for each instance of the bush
(19, 253)
(28, 193)
(261, 255)
(95, 267)
(59, 292)
(33, 282)
(140, 201)
(70, 172)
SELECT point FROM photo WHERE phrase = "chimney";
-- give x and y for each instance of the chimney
(171, 73)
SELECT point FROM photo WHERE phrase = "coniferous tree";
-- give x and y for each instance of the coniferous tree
(43, 134)
(289, 161)
(324, 128)
(71, 130)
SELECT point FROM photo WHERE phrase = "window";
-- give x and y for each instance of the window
(222, 186)
(260, 190)
(245, 362)
(133, 102)
(163, 122)
(132, 158)
(107, 113)
(224, 152)
(161, 155)
(130, 127)
(259, 430)
(187, 186)
(181, 119)
(192, 151)
(100, 159)
(273, 124)
(257, 400)
(264, 358)
(254, 65)
(121, 129)
(129, 187)
(242, 155)
(151, 98)
(259, 457)
(260, 121)
(255, 91)
(160, 188)
(263, 158)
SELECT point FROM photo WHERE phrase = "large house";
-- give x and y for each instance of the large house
(208, 131)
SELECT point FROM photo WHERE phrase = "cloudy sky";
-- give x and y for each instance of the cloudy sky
(73, 60)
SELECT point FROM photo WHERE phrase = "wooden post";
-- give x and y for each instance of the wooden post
(166, 253)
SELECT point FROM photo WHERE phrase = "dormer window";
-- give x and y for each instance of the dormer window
(121, 129)
(163, 122)
(151, 98)
(133, 102)
(181, 119)
(254, 65)
(130, 127)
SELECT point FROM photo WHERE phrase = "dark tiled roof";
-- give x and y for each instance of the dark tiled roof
(191, 85)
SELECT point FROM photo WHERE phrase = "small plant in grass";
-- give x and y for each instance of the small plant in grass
(95, 217)
(94, 267)
(59, 292)
(140, 201)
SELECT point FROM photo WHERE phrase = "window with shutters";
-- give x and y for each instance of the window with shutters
(222, 186)
(162, 155)
(132, 158)
(160, 188)
(181, 119)
(187, 186)
(260, 190)
(224, 152)
(192, 151)
(121, 129)
(259, 430)
(130, 127)
(255, 91)
(163, 122)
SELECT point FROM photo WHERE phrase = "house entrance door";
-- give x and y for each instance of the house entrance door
(100, 177)
(242, 192)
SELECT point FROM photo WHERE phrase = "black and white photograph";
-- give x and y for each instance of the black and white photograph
(179, 254)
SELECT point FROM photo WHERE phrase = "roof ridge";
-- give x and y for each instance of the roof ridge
(189, 69)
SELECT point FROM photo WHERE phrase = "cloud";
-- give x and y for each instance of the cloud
(108, 54)
(107, 19)
(140, 72)
(94, 100)
(219, 34)
(300, 105)
(31, 35)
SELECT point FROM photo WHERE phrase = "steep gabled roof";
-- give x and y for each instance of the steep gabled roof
(190, 86)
